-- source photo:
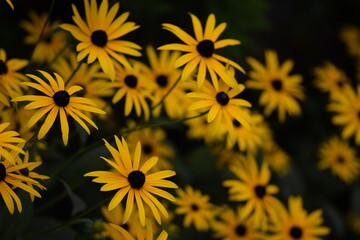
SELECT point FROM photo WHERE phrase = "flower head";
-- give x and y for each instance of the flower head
(200, 51)
(134, 181)
(99, 35)
(58, 101)
(8, 139)
(279, 89)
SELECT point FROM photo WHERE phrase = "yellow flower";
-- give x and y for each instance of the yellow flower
(279, 89)
(133, 180)
(7, 141)
(52, 41)
(196, 208)
(95, 84)
(350, 35)
(99, 35)
(200, 52)
(347, 112)
(330, 79)
(10, 78)
(233, 226)
(223, 105)
(10, 3)
(58, 101)
(297, 224)
(340, 158)
(132, 84)
(253, 187)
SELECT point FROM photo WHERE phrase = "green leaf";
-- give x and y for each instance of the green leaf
(77, 203)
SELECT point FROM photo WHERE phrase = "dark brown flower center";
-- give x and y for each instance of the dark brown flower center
(61, 98)
(260, 191)
(340, 159)
(206, 48)
(296, 232)
(340, 83)
(236, 123)
(240, 230)
(3, 67)
(136, 179)
(99, 38)
(131, 81)
(277, 84)
(2, 172)
(24, 172)
(222, 98)
(147, 149)
(162, 80)
(194, 207)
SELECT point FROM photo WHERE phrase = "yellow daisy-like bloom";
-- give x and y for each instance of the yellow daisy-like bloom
(200, 52)
(135, 87)
(99, 35)
(149, 233)
(297, 224)
(347, 113)
(165, 75)
(233, 226)
(10, 3)
(115, 216)
(95, 84)
(248, 140)
(153, 143)
(330, 79)
(58, 101)
(10, 179)
(350, 35)
(253, 187)
(196, 207)
(52, 41)
(133, 181)
(10, 78)
(7, 141)
(222, 105)
(340, 158)
(279, 89)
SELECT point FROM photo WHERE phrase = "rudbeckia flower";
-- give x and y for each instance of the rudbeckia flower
(7, 141)
(99, 35)
(134, 181)
(200, 51)
(280, 91)
(58, 101)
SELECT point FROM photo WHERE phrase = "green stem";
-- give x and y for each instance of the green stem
(70, 221)
(167, 94)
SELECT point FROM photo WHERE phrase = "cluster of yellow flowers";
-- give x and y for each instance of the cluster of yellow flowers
(99, 84)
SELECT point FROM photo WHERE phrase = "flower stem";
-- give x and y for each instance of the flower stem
(167, 94)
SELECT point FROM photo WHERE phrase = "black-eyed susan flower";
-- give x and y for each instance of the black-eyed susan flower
(10, 78)
(96, 86)
(252, 187)
(148, 236)
(347, 112)
(330, 79)
(153, 143)
(337, 155)
(196, 207)
(280, 91)
(297, 224)
(12, 178)
(9, 141)
(99, 35)
(58, 101)
(248, 140)
(200, 53)
(51, 42)
(134, 181)
(233, 226)
(134, 86)
(223, 105)
(165, 76)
